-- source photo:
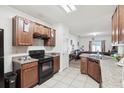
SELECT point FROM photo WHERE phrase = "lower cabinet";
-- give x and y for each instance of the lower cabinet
(92, 68)
(29, 75)
(83, 65)
(56, 64)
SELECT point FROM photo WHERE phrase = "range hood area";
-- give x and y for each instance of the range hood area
(39, 36)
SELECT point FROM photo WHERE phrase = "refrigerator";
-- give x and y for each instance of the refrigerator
(1, 58)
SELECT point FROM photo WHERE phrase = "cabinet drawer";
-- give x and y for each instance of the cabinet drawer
(29, 65)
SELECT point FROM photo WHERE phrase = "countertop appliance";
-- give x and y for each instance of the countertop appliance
(1, 58)
(45, 64)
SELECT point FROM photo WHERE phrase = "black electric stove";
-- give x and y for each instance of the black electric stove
(45, 64)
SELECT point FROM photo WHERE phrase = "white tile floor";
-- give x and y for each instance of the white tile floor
(69, 78)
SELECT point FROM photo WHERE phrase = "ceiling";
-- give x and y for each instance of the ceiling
(85, 21)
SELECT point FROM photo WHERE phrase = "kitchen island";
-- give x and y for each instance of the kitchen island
(109, 71)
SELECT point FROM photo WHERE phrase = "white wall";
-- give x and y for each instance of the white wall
(6, 14)
(85, 41)
(63, 33)
(75, 39)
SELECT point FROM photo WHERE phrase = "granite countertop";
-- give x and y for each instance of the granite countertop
(111, 72)
(84, 55)
(18, 60)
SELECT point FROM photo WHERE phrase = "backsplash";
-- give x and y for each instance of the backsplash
(37, 43)
(19, 49)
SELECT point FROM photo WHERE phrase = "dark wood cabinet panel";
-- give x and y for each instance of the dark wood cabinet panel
(29, 77)
(20, 37)
(92, 68)
(118, 25)
(115, 27)
(83, 65)
(38, 29)
(120, 9)
(97, 70)
(27, 74)
(52, 40)
(56, 64)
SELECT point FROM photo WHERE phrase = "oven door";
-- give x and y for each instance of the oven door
(45, 68)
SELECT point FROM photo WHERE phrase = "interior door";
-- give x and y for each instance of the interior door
(65, 54)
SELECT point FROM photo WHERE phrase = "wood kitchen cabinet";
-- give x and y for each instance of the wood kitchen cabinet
(21, 37)
(118, 25)
(38, 29)
(94, 70)
(47, 32)
(83, 65)
(120, 9)
(33, 30)
(115, 27)
(56, 64)
(52, 40)
(90, 68)
(27, 74)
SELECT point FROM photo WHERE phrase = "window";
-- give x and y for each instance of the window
(95, 46)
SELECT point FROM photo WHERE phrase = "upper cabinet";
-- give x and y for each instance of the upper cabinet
(118, 25)
(115, 27)
(52, 40)
(22, 32)
(121, 23)
(25, 30)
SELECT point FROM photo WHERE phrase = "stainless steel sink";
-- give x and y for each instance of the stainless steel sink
(102, 57)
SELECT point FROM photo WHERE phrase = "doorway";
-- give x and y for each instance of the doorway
(65, 53)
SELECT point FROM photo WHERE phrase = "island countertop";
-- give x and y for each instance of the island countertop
(110, 71)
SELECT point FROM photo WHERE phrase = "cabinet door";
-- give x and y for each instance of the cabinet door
(44, 31)
(51, 40)
(96, 74)
(48, 32)
(83, 65)
(113, 39)
(56, 64)
(19, 30)
(114, 27)
(91, 68)
(20, 37)
(53, 36)
(41, 30)
(121, 23)
(29, 36)
(29, 77)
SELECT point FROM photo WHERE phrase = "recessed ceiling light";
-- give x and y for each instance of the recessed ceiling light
(68, 8)
(72, 7)
(65, 7)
